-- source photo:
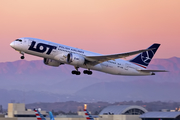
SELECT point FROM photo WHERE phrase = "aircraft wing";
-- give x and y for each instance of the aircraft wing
(102, 58)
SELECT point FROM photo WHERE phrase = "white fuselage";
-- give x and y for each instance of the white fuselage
(59, 53)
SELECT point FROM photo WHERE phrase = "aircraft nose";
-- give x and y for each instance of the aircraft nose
(12, 44)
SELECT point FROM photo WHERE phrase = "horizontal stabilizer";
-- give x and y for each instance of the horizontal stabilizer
(153, 70)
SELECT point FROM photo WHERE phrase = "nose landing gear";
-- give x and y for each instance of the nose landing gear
(22, 57)
(22, 53)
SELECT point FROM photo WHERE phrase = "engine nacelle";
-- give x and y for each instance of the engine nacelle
(75, 59)
(51, 62)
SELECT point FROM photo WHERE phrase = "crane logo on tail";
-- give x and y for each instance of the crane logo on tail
(147, 56)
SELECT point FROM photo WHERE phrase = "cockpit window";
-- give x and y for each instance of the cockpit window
(18, 40)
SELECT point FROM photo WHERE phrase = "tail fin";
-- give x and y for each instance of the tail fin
(144, 58)
(88, 115)
(39, 116)
(51, 116)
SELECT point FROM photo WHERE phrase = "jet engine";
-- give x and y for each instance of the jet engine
(75, 59)
(51, 62)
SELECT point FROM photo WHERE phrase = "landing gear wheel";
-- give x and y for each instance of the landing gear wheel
(22, 57)
(73, 72)
(87, 72)
(76, 72)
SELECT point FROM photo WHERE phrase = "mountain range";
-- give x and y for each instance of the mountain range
(32, 81)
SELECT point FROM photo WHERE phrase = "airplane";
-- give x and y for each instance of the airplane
(39, 116)
(57, 54)
(88, 115)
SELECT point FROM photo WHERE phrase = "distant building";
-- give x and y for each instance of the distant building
(17, 110)
(123, 110)
(161, 116)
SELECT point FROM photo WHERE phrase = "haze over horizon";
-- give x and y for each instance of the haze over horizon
(35, 82)
(102, 26)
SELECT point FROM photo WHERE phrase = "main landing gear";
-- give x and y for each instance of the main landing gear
(76, 72)
(22, 53)
(87, 72)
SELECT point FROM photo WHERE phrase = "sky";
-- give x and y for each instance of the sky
(102, 26)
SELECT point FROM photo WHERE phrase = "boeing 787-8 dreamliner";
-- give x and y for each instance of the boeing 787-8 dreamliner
(57, 54)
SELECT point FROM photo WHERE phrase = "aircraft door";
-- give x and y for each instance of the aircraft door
(25, 42)
(126, 67)
(29, 42)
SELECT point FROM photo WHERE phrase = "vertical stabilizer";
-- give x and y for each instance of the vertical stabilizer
(88, 115)
(39, 116)
(51, 116)
(144, 58)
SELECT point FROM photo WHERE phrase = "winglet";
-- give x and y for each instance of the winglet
(144, 58)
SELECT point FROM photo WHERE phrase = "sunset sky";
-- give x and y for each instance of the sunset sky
(102, 26)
